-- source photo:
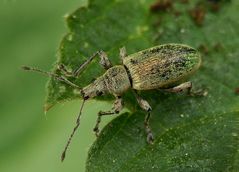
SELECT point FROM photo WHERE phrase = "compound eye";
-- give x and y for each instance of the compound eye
(99, 93)
(86, 97)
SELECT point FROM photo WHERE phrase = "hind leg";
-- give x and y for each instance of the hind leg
(146, 107)
(184, 86)
(187, 86)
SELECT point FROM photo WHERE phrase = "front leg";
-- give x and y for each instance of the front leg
(145, 106)
(104, 62)
(117, 107)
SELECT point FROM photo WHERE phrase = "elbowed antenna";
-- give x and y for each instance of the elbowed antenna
(63, 155)
(60, 78)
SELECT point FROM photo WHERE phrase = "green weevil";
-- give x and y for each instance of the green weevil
(165, 67)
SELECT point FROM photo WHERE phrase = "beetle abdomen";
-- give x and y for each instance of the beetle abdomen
(162, 66)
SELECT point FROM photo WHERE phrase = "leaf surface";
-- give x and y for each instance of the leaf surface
(191, 133)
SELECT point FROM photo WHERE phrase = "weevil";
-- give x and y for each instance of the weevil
(165, 67)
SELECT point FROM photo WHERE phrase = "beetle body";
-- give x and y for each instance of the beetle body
(157, 68)
(162, 66)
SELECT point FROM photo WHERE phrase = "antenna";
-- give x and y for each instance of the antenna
(59, 78)
(63, 155)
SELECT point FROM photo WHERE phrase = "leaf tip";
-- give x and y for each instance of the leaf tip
(47, 107)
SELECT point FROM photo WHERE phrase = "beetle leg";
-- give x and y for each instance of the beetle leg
(145, 106)
(184, 86)
(123, 53)
(63, 69)
(187, 86)
(104, 61)
(117, 107)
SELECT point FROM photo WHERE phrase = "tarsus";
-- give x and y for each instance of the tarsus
(60, 78)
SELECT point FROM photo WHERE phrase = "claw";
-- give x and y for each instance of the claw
(200, 92)
(96, 130)
(150, 138)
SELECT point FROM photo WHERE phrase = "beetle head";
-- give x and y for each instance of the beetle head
(115, 81)
(96, 88)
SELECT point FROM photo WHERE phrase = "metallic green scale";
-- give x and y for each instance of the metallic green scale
(162, 66)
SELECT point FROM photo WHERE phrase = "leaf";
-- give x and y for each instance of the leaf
(191, 133)
(94, 28)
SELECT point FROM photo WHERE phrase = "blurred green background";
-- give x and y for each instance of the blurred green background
(30, 33)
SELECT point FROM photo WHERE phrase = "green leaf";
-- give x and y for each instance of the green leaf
(97, 27)
(191, 133)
